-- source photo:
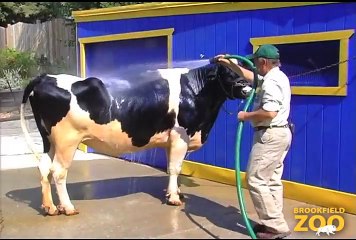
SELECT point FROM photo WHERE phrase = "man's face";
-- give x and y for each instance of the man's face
(261, 65)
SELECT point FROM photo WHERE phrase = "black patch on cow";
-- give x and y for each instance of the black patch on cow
(49, 104)
(142, 110)
(92, 96)
(200, 100)
(203, 91)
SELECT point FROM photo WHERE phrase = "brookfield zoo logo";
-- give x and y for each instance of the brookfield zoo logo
(327, 225)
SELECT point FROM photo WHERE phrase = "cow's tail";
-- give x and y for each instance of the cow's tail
(28, 90)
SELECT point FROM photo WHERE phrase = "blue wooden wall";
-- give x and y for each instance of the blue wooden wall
(324, 147)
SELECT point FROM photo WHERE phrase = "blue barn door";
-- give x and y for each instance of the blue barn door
(113, 59)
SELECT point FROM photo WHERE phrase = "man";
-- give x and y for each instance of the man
(271, 141)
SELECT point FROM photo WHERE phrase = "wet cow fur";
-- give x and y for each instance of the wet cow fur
(170, 108)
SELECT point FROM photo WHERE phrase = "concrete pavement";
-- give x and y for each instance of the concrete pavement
(120, 199)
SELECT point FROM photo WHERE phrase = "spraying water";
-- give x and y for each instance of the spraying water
(135, 75)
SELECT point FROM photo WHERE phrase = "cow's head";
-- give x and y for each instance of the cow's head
(229, 82)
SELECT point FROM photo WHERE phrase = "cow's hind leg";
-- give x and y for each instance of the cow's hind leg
(176, 152)
(46, 178)
(64, 154)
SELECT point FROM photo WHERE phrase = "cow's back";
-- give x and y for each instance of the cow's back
(138, 112)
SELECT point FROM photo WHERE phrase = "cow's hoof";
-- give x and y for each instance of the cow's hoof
(62, 210)
(174, 203)
(71, 212)
(174, 199)
(50, 211)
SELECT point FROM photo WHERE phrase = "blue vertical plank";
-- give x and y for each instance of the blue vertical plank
(211, 149)
(331, 142)
(231, 33)
(220, 38)
(220, 125)
(336, 19)
(298, 147)
(301, 21)
(313, 152)
(314, 141)
(135, 25)
(209, 33)
(230, 106)
(244, 47)
(199, 35)
(348, 113)
(347, 149)
(270, 24)
(317, 21)
(162, 22)
(286, 20)
(200, 42)
(253, 26)
(332, 110)
(178, 42)
(244, 30)
(189, 35)
(257, 25)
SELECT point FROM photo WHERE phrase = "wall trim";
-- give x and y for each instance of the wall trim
(177, 8)
(292, 190)
(343, 36)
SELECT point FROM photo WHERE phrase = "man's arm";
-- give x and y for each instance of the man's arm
(245, 73)
(257, 116)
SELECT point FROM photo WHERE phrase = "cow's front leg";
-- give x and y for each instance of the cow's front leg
(176, 152)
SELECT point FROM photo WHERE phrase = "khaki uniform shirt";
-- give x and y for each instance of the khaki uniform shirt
(273, 94)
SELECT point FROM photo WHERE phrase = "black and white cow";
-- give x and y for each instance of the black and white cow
(170, 108)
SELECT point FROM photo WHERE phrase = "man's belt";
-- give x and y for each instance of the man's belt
(259, 128)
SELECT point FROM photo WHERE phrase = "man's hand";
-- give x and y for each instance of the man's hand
(242, 72)
(221, 59)
(241, 116)
(218, 58)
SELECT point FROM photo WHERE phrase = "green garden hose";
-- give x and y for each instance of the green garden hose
(238, 147)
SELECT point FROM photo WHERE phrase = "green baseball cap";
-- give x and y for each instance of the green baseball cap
(265, 51)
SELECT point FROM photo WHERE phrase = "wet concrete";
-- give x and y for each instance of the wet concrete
(120, 199)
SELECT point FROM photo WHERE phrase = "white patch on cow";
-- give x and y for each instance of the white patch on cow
(65, 81)
(173, 77)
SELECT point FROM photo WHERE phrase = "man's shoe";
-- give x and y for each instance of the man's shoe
(259, 228)
(272, 235)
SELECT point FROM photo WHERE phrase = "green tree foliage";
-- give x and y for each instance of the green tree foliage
(29, 12)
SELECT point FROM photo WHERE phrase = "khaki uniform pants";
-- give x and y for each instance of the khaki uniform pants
(264, 173)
